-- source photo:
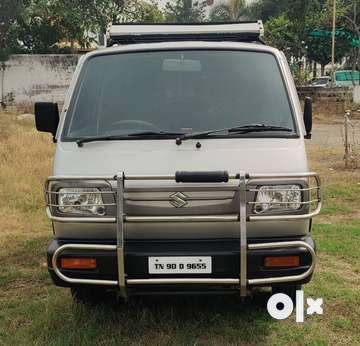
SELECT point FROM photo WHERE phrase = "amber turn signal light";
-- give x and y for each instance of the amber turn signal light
(282, 261)
(78, 263)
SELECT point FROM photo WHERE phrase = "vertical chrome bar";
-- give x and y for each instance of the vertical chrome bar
(243, 235)
(120, 232)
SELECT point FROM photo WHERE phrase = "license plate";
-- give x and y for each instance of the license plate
(180, 265)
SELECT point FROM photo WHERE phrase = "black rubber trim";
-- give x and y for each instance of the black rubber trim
(202, 177)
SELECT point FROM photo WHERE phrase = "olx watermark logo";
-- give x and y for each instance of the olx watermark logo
(280, 306)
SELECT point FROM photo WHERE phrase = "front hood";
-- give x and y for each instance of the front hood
(152, 157)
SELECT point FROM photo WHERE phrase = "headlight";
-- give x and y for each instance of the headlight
(278, 198)
(82, 200)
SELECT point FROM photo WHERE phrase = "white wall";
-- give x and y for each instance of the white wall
(31, 78)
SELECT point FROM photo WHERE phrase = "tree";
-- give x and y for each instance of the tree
(288, 25)
(232, 10)
(320, 20)
(10, 11)
(38, 28)
(352, 20)
(266, 9)
(279, 33)
(140, 11)
(185, 11)
(319, 50)
(48, 25)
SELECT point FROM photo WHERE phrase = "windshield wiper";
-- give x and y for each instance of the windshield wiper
(81, 141)
(235, 130)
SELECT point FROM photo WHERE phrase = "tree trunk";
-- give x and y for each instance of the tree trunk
(314, 70)
(2, 102)
(322, 69)
(357, 59)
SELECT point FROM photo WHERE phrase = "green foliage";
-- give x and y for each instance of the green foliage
(148, 13)
(319, 49)
(185, 11)
(37, 28)
(279, 33)
(266, 9)
(289, 24)
(51, 26)
(47, 26)
(10, 11)
(232, 10)
(118, 11)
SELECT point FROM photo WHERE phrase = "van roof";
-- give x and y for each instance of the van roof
(191, 45)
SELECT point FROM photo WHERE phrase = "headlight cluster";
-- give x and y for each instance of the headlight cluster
(278, 198)
(81, 200)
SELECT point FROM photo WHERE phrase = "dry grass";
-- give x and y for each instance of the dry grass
(25, 160)
(33, 311)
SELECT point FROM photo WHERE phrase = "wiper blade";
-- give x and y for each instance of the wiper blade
(81, 141)
(155, 133)
(259, 128)
(237, 129)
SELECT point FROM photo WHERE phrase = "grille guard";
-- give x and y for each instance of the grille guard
(313, 204)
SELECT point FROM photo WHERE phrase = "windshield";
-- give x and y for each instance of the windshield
(321, 81)
(177, 92)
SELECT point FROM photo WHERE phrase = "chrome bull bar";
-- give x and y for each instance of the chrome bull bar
(313, 207)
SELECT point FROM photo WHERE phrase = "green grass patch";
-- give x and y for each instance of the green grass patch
(341, 239)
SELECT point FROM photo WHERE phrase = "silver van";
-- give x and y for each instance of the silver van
(180, 166)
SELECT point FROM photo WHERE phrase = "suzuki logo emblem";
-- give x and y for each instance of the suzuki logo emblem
(178, 200)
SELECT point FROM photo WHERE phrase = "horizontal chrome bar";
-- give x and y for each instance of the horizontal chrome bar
(81, 247)
(282, 245)
(172, 177)
(202, 281)
(77, 177)
(286, 217)
(285, 203)
(184, 188)
(127, 177)
(164, 177)
(81, 205)
(183, 218)
(150, 177)
(282, 175)
(285, 190)
(76, 193)
(67, 219)
(167, 199)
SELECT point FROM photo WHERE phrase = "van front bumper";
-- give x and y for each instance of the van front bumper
(225, 256)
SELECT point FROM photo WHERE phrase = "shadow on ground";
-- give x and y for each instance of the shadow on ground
(181, 319)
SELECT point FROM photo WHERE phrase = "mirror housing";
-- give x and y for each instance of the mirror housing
(47, 117)
(308, 117)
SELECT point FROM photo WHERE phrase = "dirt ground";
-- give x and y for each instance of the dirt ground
(331, 135)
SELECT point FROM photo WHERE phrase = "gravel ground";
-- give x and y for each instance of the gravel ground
(331, 135)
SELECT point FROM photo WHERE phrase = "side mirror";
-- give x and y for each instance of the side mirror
(308, 117)
(47, 117)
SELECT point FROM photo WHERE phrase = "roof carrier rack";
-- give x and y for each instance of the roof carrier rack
(129, 33)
